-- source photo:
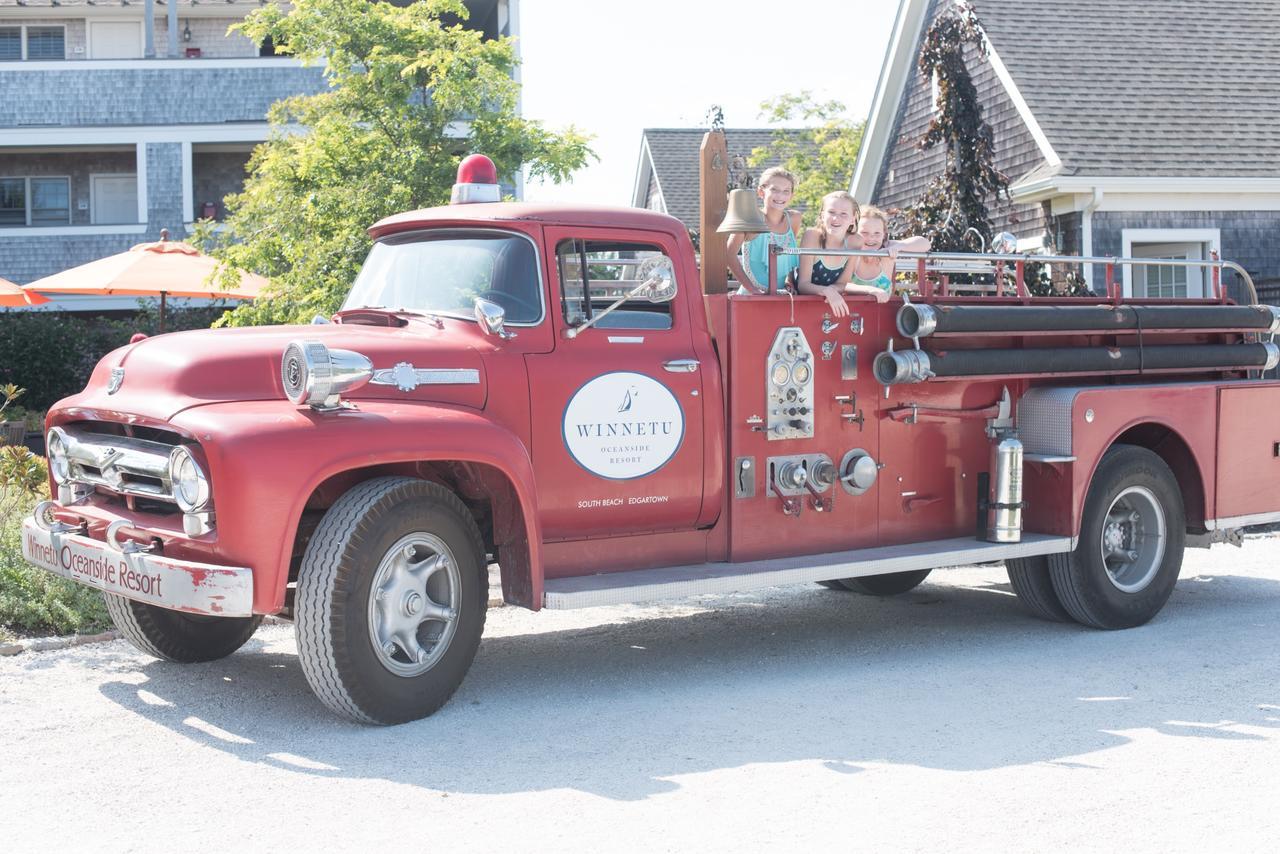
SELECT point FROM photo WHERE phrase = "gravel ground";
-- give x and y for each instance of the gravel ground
(791, 719)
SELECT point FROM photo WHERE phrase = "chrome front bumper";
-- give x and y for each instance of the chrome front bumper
(181, 585)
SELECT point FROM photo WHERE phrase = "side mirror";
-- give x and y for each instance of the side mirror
(492, 318)
(658, 280)
(1004, 243)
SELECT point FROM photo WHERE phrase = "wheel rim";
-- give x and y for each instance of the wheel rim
(413, 604)
(1133, 539)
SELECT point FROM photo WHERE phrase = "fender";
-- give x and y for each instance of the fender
(268, 458)
(1084, 421)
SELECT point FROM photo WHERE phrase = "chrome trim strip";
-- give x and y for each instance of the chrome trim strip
(1241, 521)
(1048, 458)
(644, 585)
(406, 377)
(626, 339)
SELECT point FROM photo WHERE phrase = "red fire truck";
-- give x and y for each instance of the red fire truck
(550, 389)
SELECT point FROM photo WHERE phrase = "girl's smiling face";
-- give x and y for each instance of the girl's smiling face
(776, 193)
(871, 229)
(837, 216)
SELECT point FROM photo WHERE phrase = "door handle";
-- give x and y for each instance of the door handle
(681, 366)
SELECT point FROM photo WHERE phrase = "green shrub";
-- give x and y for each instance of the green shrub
(52, 353)
(35, 602)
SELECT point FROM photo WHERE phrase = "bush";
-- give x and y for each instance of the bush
(33, 601)
(52, 353)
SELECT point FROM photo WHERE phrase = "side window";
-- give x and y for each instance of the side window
(612, 270)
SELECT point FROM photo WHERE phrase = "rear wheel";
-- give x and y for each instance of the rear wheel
(1132, 536)
(1029, 577)
(391, 600)
(890, 584)
(178, 636)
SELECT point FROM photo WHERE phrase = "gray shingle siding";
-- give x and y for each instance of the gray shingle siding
(906, 170)
(84, 97)
(1250, 238)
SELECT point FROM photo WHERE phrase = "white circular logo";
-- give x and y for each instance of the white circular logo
(623, 425)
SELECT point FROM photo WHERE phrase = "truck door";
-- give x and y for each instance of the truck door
(617, 411)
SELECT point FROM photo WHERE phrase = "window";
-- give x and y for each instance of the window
(613, 271)
(46, 43)
(13, 201)
(1167, 281)
(35, 201)
(32, 43)
(444, 271)
(10, 44)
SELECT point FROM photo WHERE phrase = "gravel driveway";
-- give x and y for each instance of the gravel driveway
(791, 719)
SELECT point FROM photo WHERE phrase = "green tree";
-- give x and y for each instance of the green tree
(410, 92)
(823, 157)
(956, 201)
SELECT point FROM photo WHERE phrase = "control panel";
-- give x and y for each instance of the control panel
(789, 386)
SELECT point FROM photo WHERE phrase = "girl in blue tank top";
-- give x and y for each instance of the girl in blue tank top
(749, 258)
(873, 228)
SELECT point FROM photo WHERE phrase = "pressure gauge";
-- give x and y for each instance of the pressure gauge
(801, 373)
(793, 348)
(780, 373)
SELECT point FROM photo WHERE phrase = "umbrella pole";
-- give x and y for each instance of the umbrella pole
(162, 300)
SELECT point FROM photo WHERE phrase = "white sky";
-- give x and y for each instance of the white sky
(614, 68)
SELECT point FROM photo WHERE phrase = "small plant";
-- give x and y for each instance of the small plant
(10, 392)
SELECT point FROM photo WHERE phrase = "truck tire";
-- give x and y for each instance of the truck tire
(890, 584)
(1132, 535)
(1029, 577)
(391, 600)
(176, 636)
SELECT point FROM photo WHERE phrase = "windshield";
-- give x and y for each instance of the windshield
(443, 272)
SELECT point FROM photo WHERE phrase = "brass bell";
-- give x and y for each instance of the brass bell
(743, 216)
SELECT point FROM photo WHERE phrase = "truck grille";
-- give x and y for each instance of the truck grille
(124, 465)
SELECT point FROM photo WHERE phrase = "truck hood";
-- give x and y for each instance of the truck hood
(169, 373)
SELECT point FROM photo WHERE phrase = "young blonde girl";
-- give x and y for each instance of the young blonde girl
(829, 276)
(873, 228)
(751, 267)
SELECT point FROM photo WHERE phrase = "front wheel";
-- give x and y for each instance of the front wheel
(178, 636)
(1132, 535)
(391, 600)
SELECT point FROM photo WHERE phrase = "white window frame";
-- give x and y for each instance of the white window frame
(23, 38)
(1130, 236)
(26, 200)
(92, 176)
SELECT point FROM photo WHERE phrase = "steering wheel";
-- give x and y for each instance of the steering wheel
(511, 301)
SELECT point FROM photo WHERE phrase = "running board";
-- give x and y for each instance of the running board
(668, 582)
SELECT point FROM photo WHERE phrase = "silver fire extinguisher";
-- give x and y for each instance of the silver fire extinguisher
(1004, 503)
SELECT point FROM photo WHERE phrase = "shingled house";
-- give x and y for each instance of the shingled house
(667, 174)
(119, 118)
(1126, 127)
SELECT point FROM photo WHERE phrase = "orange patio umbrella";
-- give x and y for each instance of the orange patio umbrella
(165, 269)
(14, 295)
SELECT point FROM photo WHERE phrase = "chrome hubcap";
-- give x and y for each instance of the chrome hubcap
(1133, 539)
(413, 609)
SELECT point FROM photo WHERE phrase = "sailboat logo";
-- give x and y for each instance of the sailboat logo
(627, 399)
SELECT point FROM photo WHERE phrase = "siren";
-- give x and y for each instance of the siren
(477, 181)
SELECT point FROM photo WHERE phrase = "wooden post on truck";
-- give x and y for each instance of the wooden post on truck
(713, 186)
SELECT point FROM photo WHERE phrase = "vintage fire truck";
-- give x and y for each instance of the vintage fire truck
(552, 390)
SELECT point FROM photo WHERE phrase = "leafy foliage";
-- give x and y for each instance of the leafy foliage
(404, 82)
(32, 601)
(956, 201)
(823, 157)
(52, 353)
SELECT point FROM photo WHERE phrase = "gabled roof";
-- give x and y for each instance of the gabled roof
(671, 155)
(1119, 88)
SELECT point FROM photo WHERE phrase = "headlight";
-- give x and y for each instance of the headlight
(190, 486)
(55, 447)
(315, 375)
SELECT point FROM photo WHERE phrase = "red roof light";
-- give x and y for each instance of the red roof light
(477, 181)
